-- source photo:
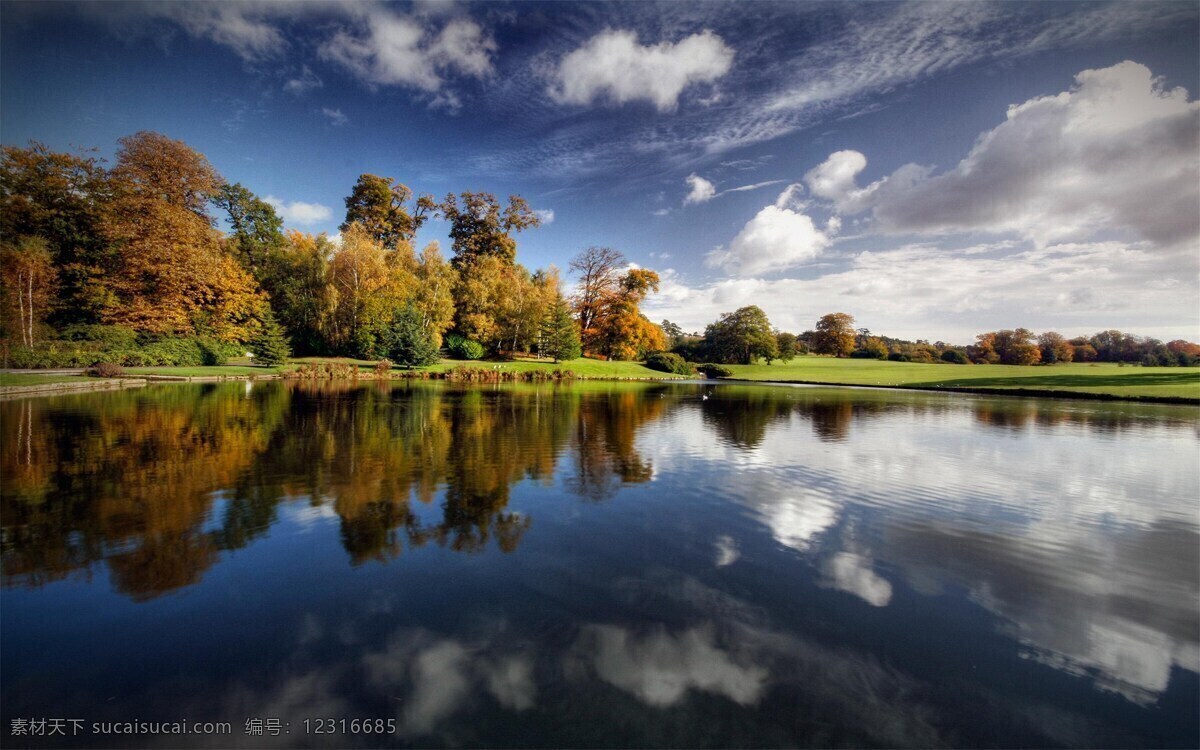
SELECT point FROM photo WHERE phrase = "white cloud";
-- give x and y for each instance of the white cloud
(700, 190)
(335, 116)
(303, 83)
(394, 50)
(545, 215)
(615, 66)
(780, 236)
(952, 293)
(240, 27)
(1117, 152)
(298, 212)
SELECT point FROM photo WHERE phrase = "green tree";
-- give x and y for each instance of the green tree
(560, 333)
(407, 341)
(741, 337)
(380, 206)
(787, 345)
(255, 229)
(479, 227)
(835, 334)
(270, 346)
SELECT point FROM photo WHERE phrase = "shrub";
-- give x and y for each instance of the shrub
(463, 348)
(955, 357)
(668, 362)
(105, 338)
(715, 371)
(897, 357)
(383, 368)
(105, 370)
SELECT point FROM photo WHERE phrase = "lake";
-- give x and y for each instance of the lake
(598, 565)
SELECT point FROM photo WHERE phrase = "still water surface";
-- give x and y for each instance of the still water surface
(598, 565)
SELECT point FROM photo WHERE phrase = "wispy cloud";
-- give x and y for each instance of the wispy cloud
(335, 116)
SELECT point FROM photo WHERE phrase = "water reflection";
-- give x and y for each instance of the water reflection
(608, 564)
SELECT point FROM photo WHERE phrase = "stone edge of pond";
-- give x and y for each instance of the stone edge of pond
(1011, 392)
(52, 389)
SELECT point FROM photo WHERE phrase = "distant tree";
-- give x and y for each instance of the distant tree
(1016, 347)
(407, 341)
(983, 351)
(559, 332)
(872, 347)
(380, 206)
(673, 333)
(270, 346)
(255, 229)
(479, 227)
(621, 331)
(787, 345)
(741, 337)
(1055, 348)
(835, 335)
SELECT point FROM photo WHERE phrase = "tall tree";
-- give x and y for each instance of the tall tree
(169, 262)
(741, 337)
(479, 227)
(599, 270)
(302, 297)
(60, 197)
(255, 229)
(380, 206)
(621, 331)
(835, 334)
(434, 293)
(559, 335)
(359, 274)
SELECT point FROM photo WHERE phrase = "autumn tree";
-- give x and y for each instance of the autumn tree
(60, 197)
(302, 297)
(479, 227)
(364, 300)
(621, 331)
(741, 337)
(168, 260)
(559, 333)
(27, 287)
(381, 207)
(1055, 348)
(834, 334)
(599, 270)
(434, 292)
(1017, 347)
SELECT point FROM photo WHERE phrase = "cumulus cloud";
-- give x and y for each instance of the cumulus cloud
(394, 50)
(299, 212)
(780, 236)
(1117, 152)
(335, 116)
(699, 190)
(615, 66)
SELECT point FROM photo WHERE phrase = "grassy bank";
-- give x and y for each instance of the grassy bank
(13, 380)
(1098, 379)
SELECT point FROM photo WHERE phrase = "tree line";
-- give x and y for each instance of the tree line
(129, 261)
(746, 336)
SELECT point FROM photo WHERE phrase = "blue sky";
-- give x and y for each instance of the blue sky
(935, 170)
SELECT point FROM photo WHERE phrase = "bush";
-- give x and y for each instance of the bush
(668, 362)
(867, 354)
(105, 370)
(105, 338)
(383, 368)
(897, 357)
(715, 371)
(463, 348)
(955, 357)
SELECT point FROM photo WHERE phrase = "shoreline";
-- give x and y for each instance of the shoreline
(984, 391)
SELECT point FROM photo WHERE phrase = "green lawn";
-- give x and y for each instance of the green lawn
(1100, 378)
(202, 372)
(17, 379)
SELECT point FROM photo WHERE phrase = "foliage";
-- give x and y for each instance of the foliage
(379, 206)
(741, 336)
(407, 341)
(28, 281)
(463, 348)
(383, 368)
(257, 230)
(955, 357)
(672, 363)
(715, 371)
(559, 335)
(480, 228)
(270, 346)
(787, 345)
(1054, 348)
(871, 347)
(834, 335)
(106, 370)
